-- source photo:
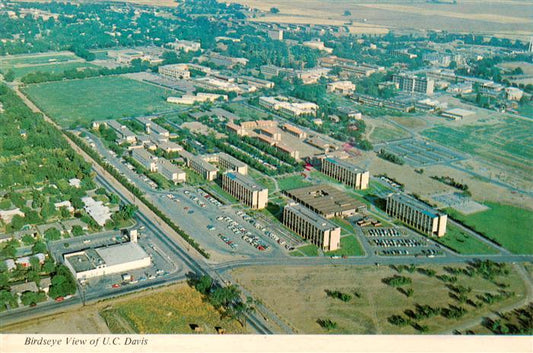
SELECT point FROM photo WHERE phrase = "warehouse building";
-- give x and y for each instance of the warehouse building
(312, 227)
(245, 189)
(106, 260)
(345, 172)
(416, 214)
(200, 166)
(326, 201)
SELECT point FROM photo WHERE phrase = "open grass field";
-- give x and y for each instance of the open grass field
(298, 295)
(246, 112)
(350, 246)
(79, 102)
(508, 142)
(383, 134)
(168, 311)
(12, 61)
(508, 225)
(51, 68)
(463, 243)
(292, 182)
(505, 18)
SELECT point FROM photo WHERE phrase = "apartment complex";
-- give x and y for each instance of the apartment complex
(345, 172)
(226, 161)
(176, 71)
(145, 158)
(245, 189)
(414, 84)
(416, 214)
(311, 226)
(124, 133)
(152, 127)
(199, 165)
(170, 171)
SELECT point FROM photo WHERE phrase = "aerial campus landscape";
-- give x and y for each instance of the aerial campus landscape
(266, 167)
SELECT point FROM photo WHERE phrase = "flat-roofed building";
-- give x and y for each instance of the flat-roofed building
(293, 130)
(345, 172)
(416, 214)
(168, 146)
(414, 84)
(312, 227)
(237, 129)
(124, 133)
(326, 200)
(152, 127)
(145, 158)
(245, 189)
(294, 153)
(321, 143)
(228, 162)
(342, 87)
(176, 71)
(270, 132)
(7, 216)
(199, 165)
(186, 45)
(170, 171)
(109, 260)
(97, 210)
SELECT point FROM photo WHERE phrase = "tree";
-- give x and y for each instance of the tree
(77, 230)
(52, 234)
(274, 10)
(327, 324)
(62, 283)
(347, 13)
(9, 76)
(39, 247)
(35, 263)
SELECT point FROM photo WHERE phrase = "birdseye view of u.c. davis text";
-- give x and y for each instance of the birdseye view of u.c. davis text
(272, 167)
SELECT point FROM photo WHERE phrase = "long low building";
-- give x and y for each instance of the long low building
(311, 226)
(345, 172)
(170, 171)
(199, 165)
(417, 215)
(226, 161)
(104, 261)
(245, 189)
(145, 158)
(326, 200)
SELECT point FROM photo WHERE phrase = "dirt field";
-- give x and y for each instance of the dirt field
(298, 296)
(501, 17)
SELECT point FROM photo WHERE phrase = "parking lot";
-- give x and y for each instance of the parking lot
(422, 153)
(399, 242)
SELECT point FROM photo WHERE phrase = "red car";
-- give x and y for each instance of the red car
(116, 285)
(59, 299)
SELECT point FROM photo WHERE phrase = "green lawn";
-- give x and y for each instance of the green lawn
(508, 225)
(7, 62)
(463, 243)
(350, 246)
(309, 250)
(382, 134)
(76, 102)
(292, 182)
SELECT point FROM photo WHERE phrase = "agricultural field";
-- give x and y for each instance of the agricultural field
(508, 142)
(79, 102)
(508, 225)
(168, 311)
(49, 63)
(497, 17)
(299, 295)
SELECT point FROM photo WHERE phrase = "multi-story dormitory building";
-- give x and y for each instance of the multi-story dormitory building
(312, 227)
(345, 172)
(416, 214)
(245, 189)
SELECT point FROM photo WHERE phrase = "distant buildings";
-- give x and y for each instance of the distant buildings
(416, 214)
(292, 108)
(513, 93)
(311, 226)
(190, 99)
(456, 113)
(414, 84)
(293, 130)
(226, 161)
(317, 44)
(276, 34)
(177, 71)
(145, 158)
(152, 127)
(245, 189)
(185, 45)
(342, 87)
(170, 171)
(124, 133)
(345, 172)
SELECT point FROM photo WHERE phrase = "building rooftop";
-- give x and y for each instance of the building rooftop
(232, 160)
(324, 199)
(345, 164)
(122, 253)
(205, 165)
(422, 207)
(315, 219)
(248, 182)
